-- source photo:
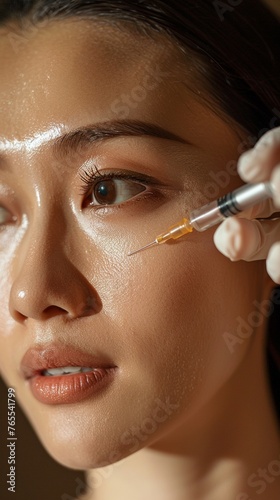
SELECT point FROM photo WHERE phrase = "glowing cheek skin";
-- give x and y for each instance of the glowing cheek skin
(167, 307)
(9, 245)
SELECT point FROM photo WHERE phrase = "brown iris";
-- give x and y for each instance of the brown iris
(105, 192)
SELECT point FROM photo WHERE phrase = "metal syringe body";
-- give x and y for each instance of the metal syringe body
(231, 204)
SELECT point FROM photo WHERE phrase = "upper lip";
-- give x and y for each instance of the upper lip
(56, 355)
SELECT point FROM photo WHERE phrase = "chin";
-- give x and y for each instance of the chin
(81, 453)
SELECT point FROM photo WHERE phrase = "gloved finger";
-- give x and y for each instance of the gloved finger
(249, 240)
(257, 164)
(262, 210)
(275, 183)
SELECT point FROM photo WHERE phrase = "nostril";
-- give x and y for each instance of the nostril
(84, 308)
(53, 311)
(18, 316)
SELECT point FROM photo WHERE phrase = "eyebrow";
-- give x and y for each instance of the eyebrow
(103, 131)
(109, 130)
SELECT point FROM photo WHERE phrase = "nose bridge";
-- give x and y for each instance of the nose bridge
(45, 236)
(45, 277)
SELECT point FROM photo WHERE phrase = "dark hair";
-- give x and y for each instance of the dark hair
(235, 50)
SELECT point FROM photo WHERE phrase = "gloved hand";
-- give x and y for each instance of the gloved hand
(246, 238)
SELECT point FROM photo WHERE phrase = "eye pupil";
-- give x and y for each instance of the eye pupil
(105, 192)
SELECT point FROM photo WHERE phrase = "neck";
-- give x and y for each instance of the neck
(231, 450)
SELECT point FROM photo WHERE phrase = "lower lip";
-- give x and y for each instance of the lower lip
(67, 389)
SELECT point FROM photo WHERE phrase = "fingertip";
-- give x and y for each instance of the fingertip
(237, 238)
(245, 164)
(227, 239)
(270, 139)
(252, 167)
(221, 239)
(275, 183)
(256, 164)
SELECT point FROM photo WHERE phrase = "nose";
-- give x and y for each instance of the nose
(47, 282)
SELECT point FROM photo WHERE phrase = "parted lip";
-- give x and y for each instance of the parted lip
(56, 355)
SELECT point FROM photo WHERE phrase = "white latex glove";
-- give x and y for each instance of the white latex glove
(246, 238)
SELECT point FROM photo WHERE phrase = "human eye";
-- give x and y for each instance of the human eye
(113, 188)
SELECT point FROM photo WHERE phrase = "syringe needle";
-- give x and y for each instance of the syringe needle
(153, 244)
(174, 232)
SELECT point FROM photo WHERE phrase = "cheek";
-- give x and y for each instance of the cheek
(7, 347)
(172, 310)
(9, 255)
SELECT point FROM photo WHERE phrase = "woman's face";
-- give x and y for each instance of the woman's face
(161, 316)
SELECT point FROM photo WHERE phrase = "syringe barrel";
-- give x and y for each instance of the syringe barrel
(207, 216)
(231, 204)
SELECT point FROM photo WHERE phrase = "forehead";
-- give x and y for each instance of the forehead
(67, 74)
(75, 71)
(73, 34)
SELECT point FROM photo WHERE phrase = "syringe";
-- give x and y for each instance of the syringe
(214, 212)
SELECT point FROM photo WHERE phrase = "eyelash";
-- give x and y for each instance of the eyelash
(92, 176)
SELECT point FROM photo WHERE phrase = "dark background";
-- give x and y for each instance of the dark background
(38, 476)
